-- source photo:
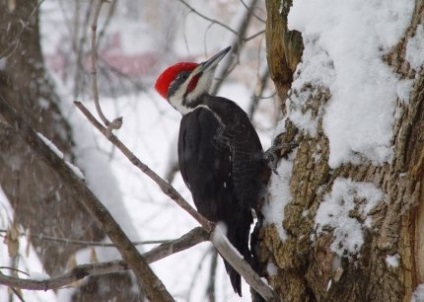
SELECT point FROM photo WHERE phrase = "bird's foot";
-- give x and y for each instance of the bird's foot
(277, 151)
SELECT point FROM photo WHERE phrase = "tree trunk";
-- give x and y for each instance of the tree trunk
(304, 266)
(41, 203)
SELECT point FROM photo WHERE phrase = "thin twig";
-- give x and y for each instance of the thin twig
(237, 45)
(165, 187)
(195, 236)
(117, 123)
(84, 242)
(261, 81)
(251, 9)
(192, 9)
(210, 290)
(261, 32)
(18, 294)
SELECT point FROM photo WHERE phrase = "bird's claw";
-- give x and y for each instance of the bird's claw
(275, 152)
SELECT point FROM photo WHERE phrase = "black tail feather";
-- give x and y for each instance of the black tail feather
(239, 238)
(234, 277)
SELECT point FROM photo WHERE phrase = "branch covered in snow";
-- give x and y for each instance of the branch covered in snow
(195, 236)
(229, 253)
(151, 284)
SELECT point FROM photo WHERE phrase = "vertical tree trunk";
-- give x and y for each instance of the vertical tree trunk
(306, 269)
(41, 203)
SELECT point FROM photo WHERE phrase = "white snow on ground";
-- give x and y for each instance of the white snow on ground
(414, 48)
(344, 44)
(336, 209)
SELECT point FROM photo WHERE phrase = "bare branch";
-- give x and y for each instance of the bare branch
(18, 294)
(151, 284)
(214, 21)
(237, 44)
(165, 187)
(195, 236)
(261, 32)
(210, 290)
(251, 9)
(115, 124)
(262, 78)
(84, 242)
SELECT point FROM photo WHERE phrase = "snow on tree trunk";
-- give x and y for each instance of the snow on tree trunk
(344, 217)
(41, 203)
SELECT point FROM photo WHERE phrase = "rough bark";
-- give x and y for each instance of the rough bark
(41, 202)
(305, 268)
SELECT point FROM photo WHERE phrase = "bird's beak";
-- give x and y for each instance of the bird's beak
(213, 62)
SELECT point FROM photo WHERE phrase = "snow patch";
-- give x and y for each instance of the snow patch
(393, 260)
(414, 48)
(59, 153)
(418, 295)
(344, 45)
(279, 196)
(336, 212)
(271, 269)
(39, 276)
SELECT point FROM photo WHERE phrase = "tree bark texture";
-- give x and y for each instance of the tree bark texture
(40, 201)
(305, 268)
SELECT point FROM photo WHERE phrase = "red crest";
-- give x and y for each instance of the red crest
(168, 75)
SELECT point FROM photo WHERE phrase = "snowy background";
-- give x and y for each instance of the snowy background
(344, 45)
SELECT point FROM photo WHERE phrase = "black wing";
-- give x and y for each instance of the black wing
(249, 167)
(207, 170)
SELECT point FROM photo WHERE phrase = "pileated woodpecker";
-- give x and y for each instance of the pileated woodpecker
(220, 155)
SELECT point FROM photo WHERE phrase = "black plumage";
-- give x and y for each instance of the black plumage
(221, 161)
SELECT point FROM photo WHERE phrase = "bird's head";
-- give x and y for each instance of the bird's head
(182, 84)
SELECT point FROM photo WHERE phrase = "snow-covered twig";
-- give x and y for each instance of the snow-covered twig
(195, 236)
(151, 284)
(116, 123)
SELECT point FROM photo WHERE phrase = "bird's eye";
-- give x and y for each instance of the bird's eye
(183, 76)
